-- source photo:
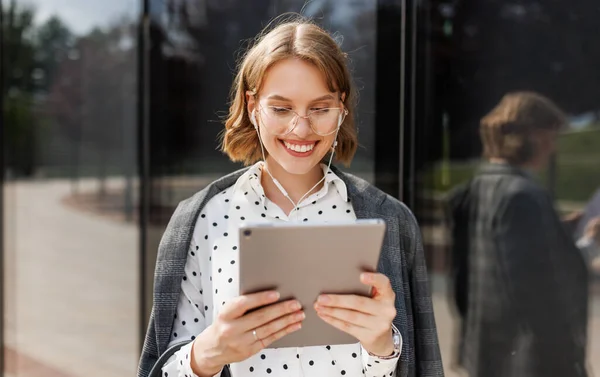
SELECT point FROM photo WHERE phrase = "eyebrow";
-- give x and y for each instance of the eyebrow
(277, 97)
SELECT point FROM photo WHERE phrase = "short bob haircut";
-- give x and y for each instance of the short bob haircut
(296, 38)
(509, 130)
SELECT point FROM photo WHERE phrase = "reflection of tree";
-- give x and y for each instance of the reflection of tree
(18, 86)
(54, 41)
(191, 65)
(91, 98)
(101, 62)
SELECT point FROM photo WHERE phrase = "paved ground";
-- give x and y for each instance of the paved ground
(71, 286)
(71, 282)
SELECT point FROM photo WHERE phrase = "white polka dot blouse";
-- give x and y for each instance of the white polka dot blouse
(211, 274)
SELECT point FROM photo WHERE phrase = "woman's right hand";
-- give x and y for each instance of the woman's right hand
(230, 338)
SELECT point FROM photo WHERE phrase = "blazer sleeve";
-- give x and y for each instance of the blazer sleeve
(428, 359)
(149, 351)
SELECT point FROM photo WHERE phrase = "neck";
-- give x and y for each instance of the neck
(296, 185)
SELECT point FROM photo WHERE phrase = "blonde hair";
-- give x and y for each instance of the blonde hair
(507, 132)
(298, 38)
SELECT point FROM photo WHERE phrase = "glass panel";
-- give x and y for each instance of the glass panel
(71, 240)
(510, 291)
(194, 47)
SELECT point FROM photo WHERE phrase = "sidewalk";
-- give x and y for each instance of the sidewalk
(71, 284)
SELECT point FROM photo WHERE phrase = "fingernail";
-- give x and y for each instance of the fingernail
(323, 299)
(274, 295)
(296, 305)
(297, 327)
(300, 316)
(365, 277)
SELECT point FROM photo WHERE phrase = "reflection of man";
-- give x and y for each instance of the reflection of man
(521, 284)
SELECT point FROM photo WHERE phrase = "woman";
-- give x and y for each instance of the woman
(292, 108)
(521, 284)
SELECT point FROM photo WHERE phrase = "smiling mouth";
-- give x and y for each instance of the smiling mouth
(299, 148)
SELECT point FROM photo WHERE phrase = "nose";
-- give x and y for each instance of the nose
(302, 129)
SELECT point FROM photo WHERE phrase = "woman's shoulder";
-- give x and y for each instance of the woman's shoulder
(372, 199)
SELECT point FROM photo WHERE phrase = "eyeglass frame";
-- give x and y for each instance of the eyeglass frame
(297, 117)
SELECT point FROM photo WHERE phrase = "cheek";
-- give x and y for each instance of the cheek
(325, 146)
(270, 142)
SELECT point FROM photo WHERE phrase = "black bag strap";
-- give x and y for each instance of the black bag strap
(157, 369)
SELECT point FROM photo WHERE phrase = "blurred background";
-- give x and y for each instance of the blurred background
(110, 112)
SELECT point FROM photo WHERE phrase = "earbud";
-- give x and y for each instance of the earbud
(335, 143)
(253, 119)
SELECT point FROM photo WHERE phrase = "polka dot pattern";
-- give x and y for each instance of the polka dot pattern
(212, 270)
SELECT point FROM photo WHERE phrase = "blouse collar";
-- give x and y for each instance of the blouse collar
(252, 178)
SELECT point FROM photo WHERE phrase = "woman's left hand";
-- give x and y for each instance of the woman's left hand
(367, 319)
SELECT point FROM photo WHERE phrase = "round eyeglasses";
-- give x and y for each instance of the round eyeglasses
(280, 121)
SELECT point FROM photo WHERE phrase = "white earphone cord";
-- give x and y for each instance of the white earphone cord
(279, 186)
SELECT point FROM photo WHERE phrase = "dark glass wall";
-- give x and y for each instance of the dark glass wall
(70, 245)
(470, 54)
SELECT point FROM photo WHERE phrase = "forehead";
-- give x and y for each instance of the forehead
(294, 79)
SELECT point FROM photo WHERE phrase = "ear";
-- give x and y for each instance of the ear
(251, 101)
(343, 97)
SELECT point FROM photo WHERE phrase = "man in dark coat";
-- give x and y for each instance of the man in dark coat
(521, 284)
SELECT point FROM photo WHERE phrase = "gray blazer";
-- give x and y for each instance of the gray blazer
(521, 285)
(402, 260)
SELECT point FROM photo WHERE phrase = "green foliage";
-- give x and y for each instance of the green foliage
(577, 172)
(20, 124)
(18, 86)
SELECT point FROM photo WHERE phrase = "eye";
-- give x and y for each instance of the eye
(279, 110)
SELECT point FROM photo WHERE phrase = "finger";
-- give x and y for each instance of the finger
(280, 323)
(275, 326)
(241, 304)
(281, 333)
(356, 331)
(268, 314)
(353, 317)
(354, 302)
(380, 282)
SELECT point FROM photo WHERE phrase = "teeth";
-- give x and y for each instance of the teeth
(299, 148)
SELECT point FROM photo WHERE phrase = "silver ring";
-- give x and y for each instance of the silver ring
(255, 336)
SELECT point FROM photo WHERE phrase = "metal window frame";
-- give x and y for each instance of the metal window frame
(143, 160)
(2, 173)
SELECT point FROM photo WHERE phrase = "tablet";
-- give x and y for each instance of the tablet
(302, 261)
